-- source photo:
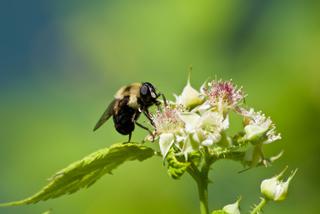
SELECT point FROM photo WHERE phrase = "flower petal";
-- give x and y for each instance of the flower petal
(166, 140)
(188, 147)
(211, 121)
(190, 119)
(207, 142)
(225, 123)
(254, 131)
(202, 108)
(189, 97)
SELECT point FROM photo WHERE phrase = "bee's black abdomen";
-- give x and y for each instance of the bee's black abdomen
(124, 120)
(125, 129)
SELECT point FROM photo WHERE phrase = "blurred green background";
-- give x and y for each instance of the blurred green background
(62, 61)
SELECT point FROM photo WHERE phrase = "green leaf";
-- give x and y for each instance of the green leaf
(176, 168)
(47, 212)
(85, 172)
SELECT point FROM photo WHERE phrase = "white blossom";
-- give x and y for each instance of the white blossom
(167, 120)
(167, 124)
(223, 95)
(258, 125)
(206, 128)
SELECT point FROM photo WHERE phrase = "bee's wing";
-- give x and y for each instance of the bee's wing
(106, 115)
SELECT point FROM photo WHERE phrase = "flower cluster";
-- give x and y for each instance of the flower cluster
(199, 119)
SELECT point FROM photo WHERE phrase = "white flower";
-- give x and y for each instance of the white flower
(232, 208)
(189, 97)
(258, 125)
(223, 95)
(167, 124)
(205, 129)
(276, 189)
(167, 120)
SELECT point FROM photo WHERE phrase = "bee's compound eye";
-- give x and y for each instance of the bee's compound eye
(144, 90)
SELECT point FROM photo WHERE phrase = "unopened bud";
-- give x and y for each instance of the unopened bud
(276, 189)
(189, 97)
(232, 208)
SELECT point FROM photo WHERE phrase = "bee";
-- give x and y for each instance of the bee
(129, 102)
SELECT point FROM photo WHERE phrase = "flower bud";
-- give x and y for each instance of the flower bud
(189, 97)
(232, 208)
(276, 189)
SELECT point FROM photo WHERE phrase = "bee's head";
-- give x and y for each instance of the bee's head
(148, 94)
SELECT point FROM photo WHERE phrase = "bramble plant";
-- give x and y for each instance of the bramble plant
(192, 135)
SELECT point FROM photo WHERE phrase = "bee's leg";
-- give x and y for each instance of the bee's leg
(130, 134)
(158, 103)
(147, 114)
(164, 100)
(146, 128)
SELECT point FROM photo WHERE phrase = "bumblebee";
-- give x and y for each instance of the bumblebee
(129, 102)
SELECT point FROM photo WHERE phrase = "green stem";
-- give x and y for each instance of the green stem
(201, 178)
(258, 208)
(203, 196)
